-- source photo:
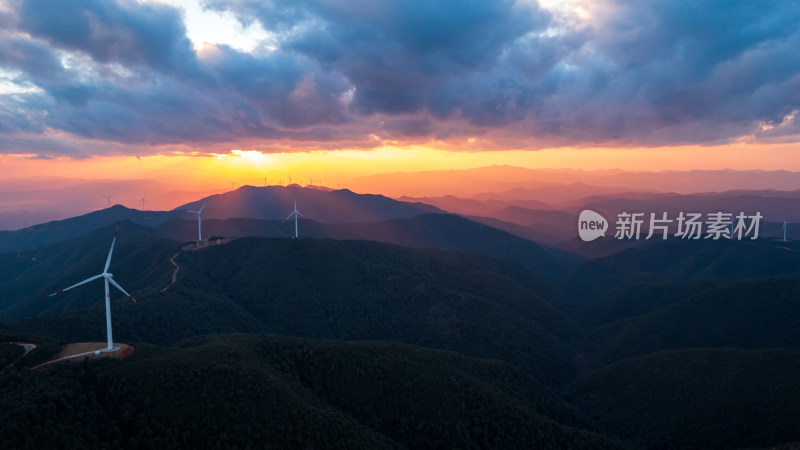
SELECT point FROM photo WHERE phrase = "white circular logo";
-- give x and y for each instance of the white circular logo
(591, 225)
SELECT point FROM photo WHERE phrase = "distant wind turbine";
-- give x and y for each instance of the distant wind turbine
(784, 231)
(199, 222)
(145, 195)
(310, 181)
(295, 213)
(108, 198)
(107, 278)
(290, 180)
(265, 181)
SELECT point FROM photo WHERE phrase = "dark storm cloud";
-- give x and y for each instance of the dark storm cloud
(400, 54)
(135, 34)
(639, 73)
(291, 89)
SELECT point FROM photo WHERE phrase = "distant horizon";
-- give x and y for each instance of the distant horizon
(37, 200)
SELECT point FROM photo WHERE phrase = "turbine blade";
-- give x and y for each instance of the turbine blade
(289, 216)
(201, 209)
(111, 280)
(301, 214)
(76, 285)
(111, 250)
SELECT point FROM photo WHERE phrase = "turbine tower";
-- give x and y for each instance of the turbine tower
(145, 195)
(290, 180)
(108, 198)
(295, 213)
(107, 278)
(199, 222)
(784, 231)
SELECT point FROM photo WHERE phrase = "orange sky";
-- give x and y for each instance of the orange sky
(336, 167)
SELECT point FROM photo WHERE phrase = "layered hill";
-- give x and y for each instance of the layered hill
(276, 202)
(441, 231)
(676, 261)
(272, 202)
(465, 302)
(754, 314)
(74, 227)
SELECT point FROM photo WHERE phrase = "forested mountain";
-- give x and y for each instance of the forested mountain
(697, 398)
(441, 231)
(269, 391)
(657, 345)
(331, 289)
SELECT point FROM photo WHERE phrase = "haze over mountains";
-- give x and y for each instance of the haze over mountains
(478, 192)
(531, 337)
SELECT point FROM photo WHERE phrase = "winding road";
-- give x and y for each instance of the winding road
(174, 272)
(28, 348)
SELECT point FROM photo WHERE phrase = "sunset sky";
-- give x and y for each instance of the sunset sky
(219, 90)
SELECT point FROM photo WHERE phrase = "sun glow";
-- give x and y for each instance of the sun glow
(215, 171)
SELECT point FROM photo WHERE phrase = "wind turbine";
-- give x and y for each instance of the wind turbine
(265, 181)
(199, 222)
(108, 198)
(310, 181)
(784, 231)
(295, 213)
(290, 180)
(145, 195)
(107, 278)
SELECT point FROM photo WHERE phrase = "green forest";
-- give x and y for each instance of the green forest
(322, 343)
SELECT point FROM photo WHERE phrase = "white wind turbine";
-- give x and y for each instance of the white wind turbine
(108, 198)
(199, 222)
(107, 278)
(295, 213)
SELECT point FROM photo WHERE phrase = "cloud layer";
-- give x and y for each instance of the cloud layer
(76, 74)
